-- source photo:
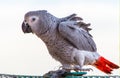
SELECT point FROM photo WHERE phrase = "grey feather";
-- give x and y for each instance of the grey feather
(72, 17)
(77, 36)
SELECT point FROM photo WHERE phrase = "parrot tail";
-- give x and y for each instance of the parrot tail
(105, 65)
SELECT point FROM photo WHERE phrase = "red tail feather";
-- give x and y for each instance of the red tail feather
(105, 65)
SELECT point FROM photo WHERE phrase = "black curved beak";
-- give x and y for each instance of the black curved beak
(26, 28)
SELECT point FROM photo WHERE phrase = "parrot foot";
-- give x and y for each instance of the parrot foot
(68, 69)
(77, 68)
(87, 69)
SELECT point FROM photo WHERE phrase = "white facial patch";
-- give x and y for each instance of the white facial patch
(33, 20)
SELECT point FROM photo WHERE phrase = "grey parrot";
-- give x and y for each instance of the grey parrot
(67, 39)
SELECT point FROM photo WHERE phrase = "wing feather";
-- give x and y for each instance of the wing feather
(77, 36)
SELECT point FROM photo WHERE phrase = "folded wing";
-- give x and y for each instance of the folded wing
(78, 37)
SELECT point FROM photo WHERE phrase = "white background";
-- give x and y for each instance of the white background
(26, 54)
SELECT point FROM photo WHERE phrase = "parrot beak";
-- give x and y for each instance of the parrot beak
(26, 28)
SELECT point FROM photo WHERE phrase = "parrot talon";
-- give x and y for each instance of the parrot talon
(88, 69)
(67, 69)
(61, 67)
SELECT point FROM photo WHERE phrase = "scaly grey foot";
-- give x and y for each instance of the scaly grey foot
(87, 69)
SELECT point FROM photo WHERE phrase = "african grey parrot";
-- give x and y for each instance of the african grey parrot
(67, 39)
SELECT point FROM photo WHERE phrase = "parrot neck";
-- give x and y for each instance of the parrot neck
(47, 23)
(46, 27)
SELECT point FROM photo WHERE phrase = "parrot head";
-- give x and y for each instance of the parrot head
(36, 22)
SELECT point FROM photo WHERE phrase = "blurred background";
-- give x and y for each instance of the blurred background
(26, 54)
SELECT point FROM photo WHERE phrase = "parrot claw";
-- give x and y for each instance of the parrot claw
(79, 69)
(68, 69)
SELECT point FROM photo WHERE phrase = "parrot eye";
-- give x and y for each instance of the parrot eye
(33, 19)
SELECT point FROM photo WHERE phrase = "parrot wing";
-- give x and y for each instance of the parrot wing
(78, 37)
